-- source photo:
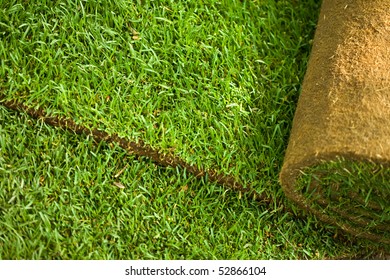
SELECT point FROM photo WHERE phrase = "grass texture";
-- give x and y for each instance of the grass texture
(355, 194)
(214, 82)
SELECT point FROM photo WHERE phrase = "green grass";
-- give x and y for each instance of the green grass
(354, 194)
(214, 82)
(211, 82)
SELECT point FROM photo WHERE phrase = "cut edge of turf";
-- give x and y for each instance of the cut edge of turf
(351, 194)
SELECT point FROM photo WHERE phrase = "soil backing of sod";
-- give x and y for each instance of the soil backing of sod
(338, 156)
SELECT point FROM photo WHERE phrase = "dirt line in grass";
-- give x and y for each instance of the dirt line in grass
(138, 149)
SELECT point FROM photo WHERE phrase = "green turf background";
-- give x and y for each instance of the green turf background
(214, 82)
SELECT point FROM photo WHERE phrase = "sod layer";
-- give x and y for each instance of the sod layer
(338, 156)
(81, 64)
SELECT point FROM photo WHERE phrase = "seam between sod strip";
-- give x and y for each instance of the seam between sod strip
(138, 149)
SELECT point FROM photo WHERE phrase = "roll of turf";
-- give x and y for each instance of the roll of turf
(337, 163)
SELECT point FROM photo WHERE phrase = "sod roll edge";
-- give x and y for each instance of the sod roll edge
(337, 163)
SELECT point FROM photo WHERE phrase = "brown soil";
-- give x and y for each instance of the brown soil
(344, 107)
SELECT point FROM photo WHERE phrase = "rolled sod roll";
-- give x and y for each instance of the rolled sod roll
(337, 163)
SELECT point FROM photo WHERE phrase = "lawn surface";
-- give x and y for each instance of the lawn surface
(214, 82)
